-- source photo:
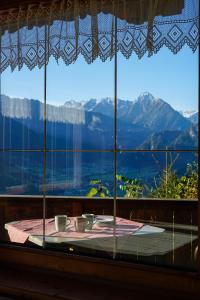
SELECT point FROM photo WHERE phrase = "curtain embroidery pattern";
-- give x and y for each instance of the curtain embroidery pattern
(86, 27)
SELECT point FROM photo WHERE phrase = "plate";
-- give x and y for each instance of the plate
(104, 221)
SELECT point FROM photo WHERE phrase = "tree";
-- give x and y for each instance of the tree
(130, 187)
(171, 186)
(189, 183)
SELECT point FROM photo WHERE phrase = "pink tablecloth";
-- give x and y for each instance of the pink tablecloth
(20, 231)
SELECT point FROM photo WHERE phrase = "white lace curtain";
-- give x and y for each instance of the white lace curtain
(32, 30)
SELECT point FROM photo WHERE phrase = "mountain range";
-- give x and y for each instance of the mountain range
(146, 123)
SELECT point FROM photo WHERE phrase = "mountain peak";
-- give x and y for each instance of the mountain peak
(73, 104)
(107, 100)
(146, 94)
(145, 97)
(188, 113)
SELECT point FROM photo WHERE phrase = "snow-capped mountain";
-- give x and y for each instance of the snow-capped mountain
(104, 106)
(73, 104)
(188, 113)
(194, 118)
(146, 111)
(138, 120)
(191, 115)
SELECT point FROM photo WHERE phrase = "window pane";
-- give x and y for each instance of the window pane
(70, 174)
(80, 119)
(21, 109)
(21, 173)
(159, 190)
(21, 127)
(158, 110)
(157, 175)
(20, 204)
(86, 181)
(158, 104)
(80, 105)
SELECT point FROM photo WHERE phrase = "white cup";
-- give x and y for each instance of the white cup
(91, 219)
(61, 223)
(81, 224)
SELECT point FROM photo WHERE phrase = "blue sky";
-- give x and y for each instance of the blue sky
(174, 78)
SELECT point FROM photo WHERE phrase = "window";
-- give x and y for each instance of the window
(114, 143)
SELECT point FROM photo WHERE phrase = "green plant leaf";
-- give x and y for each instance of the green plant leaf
(93, 191)
(119, 177)
(102, 194)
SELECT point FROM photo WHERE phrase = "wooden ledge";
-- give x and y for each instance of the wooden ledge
(26, 283)
(123, 276)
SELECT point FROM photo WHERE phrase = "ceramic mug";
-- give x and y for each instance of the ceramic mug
(81, 224)
(91, 219)
(61, 223)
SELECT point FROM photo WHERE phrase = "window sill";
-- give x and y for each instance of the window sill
(119, 273)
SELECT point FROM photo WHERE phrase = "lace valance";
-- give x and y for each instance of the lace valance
(32, 31)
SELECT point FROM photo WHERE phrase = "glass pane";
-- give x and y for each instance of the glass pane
(21, 109)
(158, 197)
(72, 173)
(21, 129)
(158, 104)
(80, 123)
(20, 204)
(86, 181)
(80, 105)
(157, 174)
(21, 173)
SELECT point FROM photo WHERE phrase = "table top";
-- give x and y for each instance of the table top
(20, 231)
(129, 237)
